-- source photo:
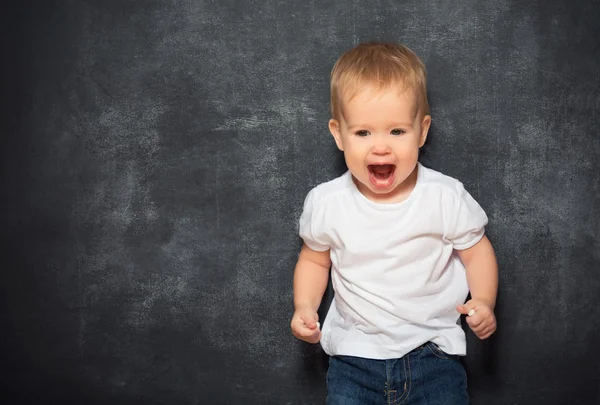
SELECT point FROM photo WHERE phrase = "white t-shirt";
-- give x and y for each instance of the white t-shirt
(396, 277)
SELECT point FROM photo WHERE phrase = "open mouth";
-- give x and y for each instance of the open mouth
(381, 176)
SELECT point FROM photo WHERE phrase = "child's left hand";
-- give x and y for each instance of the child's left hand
(483, 321)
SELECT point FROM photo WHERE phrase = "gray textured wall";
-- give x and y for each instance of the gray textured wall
(155, 156)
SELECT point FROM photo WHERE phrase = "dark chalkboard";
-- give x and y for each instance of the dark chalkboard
(155, 156)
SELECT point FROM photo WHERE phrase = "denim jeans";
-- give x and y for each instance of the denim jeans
(425, 376)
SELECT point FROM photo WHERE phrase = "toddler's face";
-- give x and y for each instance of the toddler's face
(380, 133)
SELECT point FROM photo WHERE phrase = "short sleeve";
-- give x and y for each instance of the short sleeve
(311, 224)
(466, 226)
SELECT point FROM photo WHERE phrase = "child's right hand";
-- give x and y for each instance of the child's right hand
(305, 326)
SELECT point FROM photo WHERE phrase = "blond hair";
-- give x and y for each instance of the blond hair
(383, 65)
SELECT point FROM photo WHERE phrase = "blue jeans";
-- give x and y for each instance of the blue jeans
(425, 376)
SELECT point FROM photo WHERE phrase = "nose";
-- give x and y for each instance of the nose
(381, 148)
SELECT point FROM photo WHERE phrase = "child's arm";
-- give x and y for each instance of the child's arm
(310, 281)
(482, 277)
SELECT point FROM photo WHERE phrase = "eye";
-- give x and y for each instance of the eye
(397, 131)
(362, 132)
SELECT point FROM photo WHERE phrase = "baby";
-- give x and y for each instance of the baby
(404, 243)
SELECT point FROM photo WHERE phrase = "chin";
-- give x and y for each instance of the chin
(383, 192)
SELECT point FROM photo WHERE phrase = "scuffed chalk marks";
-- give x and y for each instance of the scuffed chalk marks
(231, 118)
(158, 299)
(183, 245)
(115, 215)
(118, 201)
(291, 111)
(199, 289)
(268, 138)
(135, 204)
(127, 131)
(244, 123)
(282, 113)
(117, 208)
(253, 287)
(523, 58)
(548, 177)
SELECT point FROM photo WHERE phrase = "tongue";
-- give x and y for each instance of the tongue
(382, 176)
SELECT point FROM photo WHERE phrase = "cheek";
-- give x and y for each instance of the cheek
(353, 147)
(354, 153)
(410, 150)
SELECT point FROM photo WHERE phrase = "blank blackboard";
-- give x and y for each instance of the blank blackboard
(154, 160)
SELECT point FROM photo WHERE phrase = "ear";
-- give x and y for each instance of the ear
(334, 128)
(424, 129)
